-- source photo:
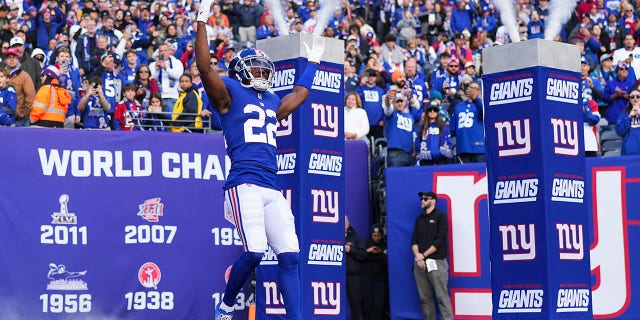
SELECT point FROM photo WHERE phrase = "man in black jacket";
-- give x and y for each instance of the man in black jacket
(429, 246)
(354, 249)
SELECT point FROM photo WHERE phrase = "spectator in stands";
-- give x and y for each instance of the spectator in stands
(406, 28)
(186, 113)
(167, 71)
(356, 123)
(94, 105)
(591, 118)
(416, 81)
(399, 129)
(431, 22)
(156, 119)
(450, 83)
(430, 268)
(461, 18)
(8, 99)
(145, 85)
(129, 66)
(602, 38)
(487, 23)
(418, 54)
(391, 53)
(350, 77)
(535, 29)
(248, 15)
(218, 14)
(615, 31)
(69, 79)
(51, 102)
(139, 41)
(371, 96)
(355, 255)
(433, 145)
(628, 125)
(23, 84)
(129, 115)
(30, 65)
(467, 125)
(50, 23)
(87, 48)
(440, 72)
(617, 92)
(605, 71)
(629, 54)
(374, 276)
(268, 29)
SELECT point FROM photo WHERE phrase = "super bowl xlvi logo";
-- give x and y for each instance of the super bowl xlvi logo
(562, 90)
(151, 209)
(570, 241)
(325, 120)
(325, 164)
(283, 79)
(511, 91)
(149, 275)
(269, 258)
(573, 300)
(565, 137)
(326, 206)
(515, 191)
(274, 305)
(326, 298)
(327, 81)
(567, 190)
(514, 138)
(286, 163)
(64, 216)
(518, 242)
(285, 126)
(325, 254)
(61, 279)
(519, 301)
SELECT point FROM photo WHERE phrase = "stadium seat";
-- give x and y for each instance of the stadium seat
(611, 145)
(609, 135)
(612, 153)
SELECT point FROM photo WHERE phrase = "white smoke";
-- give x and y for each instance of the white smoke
(559, 13)
(508, 17)
(327, 10)
(277, 12)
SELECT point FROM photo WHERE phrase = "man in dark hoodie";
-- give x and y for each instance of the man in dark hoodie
(355, 252)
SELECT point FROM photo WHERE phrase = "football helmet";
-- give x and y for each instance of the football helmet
(252, 67)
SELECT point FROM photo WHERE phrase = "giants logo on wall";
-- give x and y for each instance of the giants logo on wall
(61, 279)
(149, 275)
(567, 190)
(570, 241)
(269, 257)
(325, 254)
(514, 138)
(283, 78)
(326, 298)
(151, 210)
(573, 300)
(325, 164)
(516, 190)
(327, 79)
(285, 126)
(325, 120)
(565, 137)
(64, 216)
(518, 242)
(273, 299)
(563, 88)
(325, 206)
(511, 89)
(520, 301)
(286, 163)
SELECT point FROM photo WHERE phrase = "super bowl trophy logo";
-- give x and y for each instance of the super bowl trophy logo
(64, 216)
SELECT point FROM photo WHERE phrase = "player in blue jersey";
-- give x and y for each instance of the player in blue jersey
(249, 112)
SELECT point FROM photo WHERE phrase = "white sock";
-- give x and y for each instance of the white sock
(226, 308)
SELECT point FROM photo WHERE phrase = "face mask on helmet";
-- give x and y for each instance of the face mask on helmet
(254, 68)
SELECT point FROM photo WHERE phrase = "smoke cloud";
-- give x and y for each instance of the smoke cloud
(559, 13)
(277, 12)
(327, 9)
(508, 17)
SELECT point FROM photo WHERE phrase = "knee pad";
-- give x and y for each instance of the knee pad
(288, 260)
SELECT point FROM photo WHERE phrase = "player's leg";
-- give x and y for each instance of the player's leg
(281, 232)
(247, 207)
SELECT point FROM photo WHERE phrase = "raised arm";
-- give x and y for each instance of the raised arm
(213, 85)
(300, 91)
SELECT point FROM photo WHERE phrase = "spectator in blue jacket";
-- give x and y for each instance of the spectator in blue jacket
(467, 125)
(8, 100)
(617, 91)
(399, 128)
(461, 18)
(433, 145)
(49, 27)
(628, 125)
(487, 22)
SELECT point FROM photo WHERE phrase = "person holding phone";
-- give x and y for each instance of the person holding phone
(94, 105)
(628, 125)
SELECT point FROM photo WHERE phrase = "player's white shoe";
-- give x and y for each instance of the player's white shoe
(221, 314)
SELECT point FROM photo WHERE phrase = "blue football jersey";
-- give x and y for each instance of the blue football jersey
(249, 129)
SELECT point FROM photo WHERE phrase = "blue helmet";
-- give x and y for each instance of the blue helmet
(253, 67)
